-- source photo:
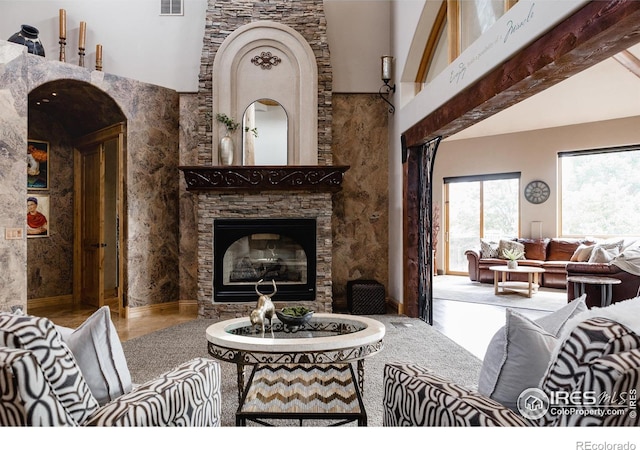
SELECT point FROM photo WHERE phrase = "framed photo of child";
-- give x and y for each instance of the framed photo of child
(37, 164)
(37, 215)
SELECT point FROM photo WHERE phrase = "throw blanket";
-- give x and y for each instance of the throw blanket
(628, 260)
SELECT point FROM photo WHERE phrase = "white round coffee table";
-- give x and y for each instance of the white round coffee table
(325, 339)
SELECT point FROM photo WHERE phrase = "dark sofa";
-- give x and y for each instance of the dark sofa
(554, 256)
(551, 254)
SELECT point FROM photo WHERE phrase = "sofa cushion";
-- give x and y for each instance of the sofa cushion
(519, 353)
(582, 253)
(98, 351)
(488, 249)
(27, 396)
(535, 248)
(605, 252)
(505, 244)
(562, 249)
(40, 336)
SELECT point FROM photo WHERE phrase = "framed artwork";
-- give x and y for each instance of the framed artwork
(37, 165)
(37, 215)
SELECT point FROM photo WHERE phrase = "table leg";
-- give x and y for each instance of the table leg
(240, 368)
(530, 281)
(606, 295)
(495, 282)
(361, 375)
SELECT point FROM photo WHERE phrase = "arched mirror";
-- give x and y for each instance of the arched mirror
(264, 137)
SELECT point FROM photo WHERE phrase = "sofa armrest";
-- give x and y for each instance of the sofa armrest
(415, 396)
(473, 257)
(189, 395)
(26, 397)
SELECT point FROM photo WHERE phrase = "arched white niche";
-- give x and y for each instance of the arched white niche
(268, 60)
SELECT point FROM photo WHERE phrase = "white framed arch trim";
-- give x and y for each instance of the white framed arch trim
(290, 78)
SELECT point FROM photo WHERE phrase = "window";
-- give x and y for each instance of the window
(171, 7)
(484, 206)
(599, 192)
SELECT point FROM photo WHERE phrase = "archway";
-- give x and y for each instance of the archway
(60, 113)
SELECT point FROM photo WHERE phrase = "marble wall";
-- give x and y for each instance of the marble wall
(151, 222)
(361, 208)
(13, 167)
(50, 259)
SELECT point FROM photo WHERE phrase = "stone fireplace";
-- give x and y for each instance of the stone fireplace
(301, 81)
(281, 210)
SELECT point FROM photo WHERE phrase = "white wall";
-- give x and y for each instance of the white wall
(137, 41)
(140, 44)
(358, 32)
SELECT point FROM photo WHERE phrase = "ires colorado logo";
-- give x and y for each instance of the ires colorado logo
(533, 403)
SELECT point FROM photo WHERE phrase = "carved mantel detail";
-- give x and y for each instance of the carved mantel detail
(310, 178)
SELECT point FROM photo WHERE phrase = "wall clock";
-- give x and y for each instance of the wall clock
(537, 192)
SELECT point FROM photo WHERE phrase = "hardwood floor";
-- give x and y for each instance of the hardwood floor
(73, 316)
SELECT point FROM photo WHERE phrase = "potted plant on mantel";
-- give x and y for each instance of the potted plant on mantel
(226, 143)
(513, 255)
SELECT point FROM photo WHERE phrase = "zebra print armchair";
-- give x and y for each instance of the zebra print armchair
(41, 384)
(600, 356)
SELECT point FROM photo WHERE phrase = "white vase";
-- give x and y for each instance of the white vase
(226, 150)
(512, 264)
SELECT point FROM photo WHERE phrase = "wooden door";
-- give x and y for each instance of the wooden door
(92, 225)
(99, 184)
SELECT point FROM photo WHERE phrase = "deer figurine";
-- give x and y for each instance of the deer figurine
(264, 310)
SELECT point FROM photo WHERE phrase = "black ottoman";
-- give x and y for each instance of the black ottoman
(365, 297)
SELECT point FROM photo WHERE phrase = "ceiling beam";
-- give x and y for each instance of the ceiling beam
(592, 34)
(629, 61)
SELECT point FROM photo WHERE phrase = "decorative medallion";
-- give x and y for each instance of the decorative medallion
(537, 192)
(266, 60)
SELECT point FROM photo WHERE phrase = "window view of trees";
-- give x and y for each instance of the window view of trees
(599, 193)
(487, 208)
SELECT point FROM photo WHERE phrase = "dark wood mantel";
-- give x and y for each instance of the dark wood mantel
(233, 178)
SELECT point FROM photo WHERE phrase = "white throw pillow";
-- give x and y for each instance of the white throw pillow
(519, 353)
(582, 253)
(97, 349)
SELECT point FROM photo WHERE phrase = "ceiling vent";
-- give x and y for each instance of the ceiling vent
(171, 7)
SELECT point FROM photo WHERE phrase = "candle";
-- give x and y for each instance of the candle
(63, 24)
(98, 52)
(83, 33)
(386, 67)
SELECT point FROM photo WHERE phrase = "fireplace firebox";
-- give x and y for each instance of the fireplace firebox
(248, 250)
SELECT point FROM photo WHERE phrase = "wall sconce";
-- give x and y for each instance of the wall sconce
(387, 69)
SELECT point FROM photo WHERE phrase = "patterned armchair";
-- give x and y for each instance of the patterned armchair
(600, 356)
(41, 384)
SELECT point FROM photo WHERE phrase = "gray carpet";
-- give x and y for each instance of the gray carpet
(406, 340)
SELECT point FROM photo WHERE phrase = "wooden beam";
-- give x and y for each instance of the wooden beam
(597, 31)
(628, 60)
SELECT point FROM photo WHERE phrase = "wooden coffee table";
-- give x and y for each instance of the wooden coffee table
(527, 288)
